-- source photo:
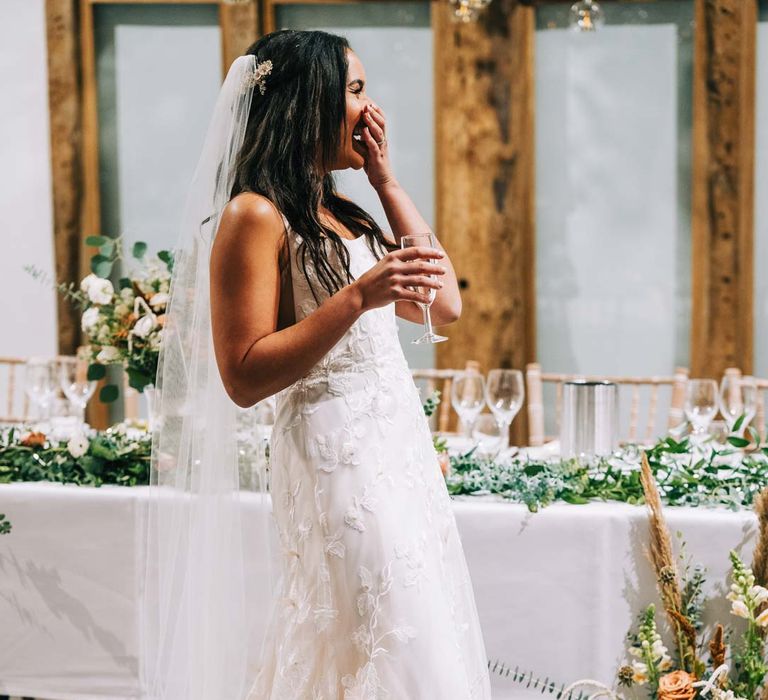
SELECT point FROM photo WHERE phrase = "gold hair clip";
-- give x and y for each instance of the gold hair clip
(259, 76)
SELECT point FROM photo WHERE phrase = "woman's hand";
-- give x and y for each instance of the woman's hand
(376, 155)
(392, 278)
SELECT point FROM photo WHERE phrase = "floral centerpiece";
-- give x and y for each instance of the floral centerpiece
(122, 325)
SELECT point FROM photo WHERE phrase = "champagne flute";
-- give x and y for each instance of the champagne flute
(505, 392)
(468, 398)
(74, 382)
(700, 405)
(428, 240)
(738, 396)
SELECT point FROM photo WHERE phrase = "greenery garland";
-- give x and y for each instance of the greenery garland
(686, 476)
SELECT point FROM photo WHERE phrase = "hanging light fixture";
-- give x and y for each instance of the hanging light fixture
(586, 16)
(468, 10)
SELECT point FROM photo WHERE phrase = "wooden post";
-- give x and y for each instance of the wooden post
(239, 24)
(484, 120)
(64, 99)
(723, 186)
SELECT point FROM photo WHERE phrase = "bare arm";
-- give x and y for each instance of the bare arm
(404, 218)
(256, 360)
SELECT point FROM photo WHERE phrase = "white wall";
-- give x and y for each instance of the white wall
(27, 307)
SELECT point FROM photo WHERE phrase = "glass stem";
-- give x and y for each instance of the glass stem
(427, 319)
(505, 425)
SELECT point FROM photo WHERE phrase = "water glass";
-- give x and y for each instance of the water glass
(701, 403)
(488, 434)
(505, 393)
(468, 398)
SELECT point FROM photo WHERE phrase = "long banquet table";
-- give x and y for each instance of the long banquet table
(556, 591)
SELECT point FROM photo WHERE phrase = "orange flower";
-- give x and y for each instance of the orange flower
(161, 320)
(677, 685)
(33, 440)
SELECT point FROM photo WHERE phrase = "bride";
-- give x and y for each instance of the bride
(300, 289)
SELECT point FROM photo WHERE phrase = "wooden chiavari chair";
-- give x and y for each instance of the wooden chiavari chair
(442, 380)
(535, 379)
(762, 397)
(15, 403)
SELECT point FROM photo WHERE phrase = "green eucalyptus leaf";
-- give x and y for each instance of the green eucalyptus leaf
(125, 283)
(167, 257)
(739, 422)
(95, 241)
(101, 266)
(737, 441)
(139, 249)
(96, 372)
(109, 393)
(138, 379)
(107, 248)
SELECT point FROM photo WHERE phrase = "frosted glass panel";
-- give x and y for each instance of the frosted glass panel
(394, 42)
(613, 190)
(159, 71)
(761, 198)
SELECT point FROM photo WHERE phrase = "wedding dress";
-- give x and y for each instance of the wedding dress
(375, 597)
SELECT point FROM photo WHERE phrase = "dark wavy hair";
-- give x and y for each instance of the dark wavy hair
(294, 131)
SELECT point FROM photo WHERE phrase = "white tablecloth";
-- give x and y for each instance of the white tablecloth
(556, 591)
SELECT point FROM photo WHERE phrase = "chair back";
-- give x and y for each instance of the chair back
(535, 380)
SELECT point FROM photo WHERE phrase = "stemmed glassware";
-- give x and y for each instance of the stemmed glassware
(427, 240)
(74, 382)
(40, 384)
(468, 398)
(738, 396)
(701, 403)
(505, 392)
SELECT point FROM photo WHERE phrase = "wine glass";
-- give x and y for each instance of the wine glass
(505, 392)
(700, 405)
(428, 240)
(468, 398)
(74, 382)
(738, 396)
(40, 384)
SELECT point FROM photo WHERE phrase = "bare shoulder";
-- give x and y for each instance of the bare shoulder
(252, 215)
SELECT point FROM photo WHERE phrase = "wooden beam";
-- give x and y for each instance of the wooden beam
(239, 29)
(484, 120)
(723, 186)
(66, 167)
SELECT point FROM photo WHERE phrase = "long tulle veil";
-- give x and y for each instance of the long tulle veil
(208, 581)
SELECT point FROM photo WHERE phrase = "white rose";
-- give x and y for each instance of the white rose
(158, 300)
(108, 354)
(89, 319)
(739, 608)
(101, 291)
(85, 285)
(78, 445)
(144, 326)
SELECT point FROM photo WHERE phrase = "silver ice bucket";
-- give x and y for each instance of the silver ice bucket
(590, 418)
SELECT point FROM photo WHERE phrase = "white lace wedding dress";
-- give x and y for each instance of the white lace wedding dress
(376, 600)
